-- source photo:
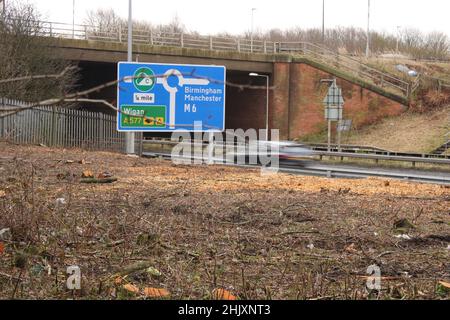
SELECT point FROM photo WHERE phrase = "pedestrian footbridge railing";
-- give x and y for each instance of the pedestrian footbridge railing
(118, 34)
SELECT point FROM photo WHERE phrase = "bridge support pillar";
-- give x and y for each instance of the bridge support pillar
(279, 111)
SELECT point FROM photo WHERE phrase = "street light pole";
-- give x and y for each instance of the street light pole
(267, 100)
(130, 32)
(368, 29)
(129, 136)
(251, 32)
(73, 19)
(323, 21)
(398, 38)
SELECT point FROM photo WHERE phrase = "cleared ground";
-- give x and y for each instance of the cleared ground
(202, 228)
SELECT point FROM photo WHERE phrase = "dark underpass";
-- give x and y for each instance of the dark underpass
(244, 107)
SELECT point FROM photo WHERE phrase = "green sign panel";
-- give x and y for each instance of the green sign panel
(143, 116)
(144, 79)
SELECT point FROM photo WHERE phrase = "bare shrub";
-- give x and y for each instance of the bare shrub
(349, 40)
(24, 53)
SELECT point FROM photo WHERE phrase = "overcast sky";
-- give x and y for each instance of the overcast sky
(234, 16)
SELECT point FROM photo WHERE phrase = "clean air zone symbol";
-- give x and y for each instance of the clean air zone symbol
(143, 79)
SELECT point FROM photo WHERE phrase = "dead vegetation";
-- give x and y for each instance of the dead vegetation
(26, 56)
(347, 40)
(165, 231)
(409, 132)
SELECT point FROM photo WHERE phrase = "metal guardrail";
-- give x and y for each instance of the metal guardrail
(377, 157)
(183, 40)
(324, 146)
(331, 171)
(349, 149)
(373, 150)
(429, 159)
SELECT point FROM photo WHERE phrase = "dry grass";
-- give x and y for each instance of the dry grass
(409, 132)
(208, 227)
(439, 70)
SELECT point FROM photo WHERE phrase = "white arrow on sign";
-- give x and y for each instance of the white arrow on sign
(173, 90)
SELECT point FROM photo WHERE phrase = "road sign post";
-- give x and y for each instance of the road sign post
(345, 125)
(329, 136)
(163, 97)
(334, 105)
(129, 136)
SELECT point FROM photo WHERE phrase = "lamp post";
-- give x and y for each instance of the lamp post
(129, 136)
(73, 19)
(368, 29)
(323, 21)
(398, 38)
(267, 100)
(251, 32)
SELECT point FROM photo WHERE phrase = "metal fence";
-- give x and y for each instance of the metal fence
(61, 127)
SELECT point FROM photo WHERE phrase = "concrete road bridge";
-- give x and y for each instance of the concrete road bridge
(295, 70)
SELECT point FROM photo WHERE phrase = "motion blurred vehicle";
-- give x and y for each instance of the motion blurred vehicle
(294, 154)
(290, 153)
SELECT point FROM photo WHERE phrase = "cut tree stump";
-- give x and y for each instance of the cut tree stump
(94, 180)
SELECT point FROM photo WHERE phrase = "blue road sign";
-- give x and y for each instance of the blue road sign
(163, 97)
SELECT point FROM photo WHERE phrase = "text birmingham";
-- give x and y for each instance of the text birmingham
(202, 94)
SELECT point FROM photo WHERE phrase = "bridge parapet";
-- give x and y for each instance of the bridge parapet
(356, 68)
